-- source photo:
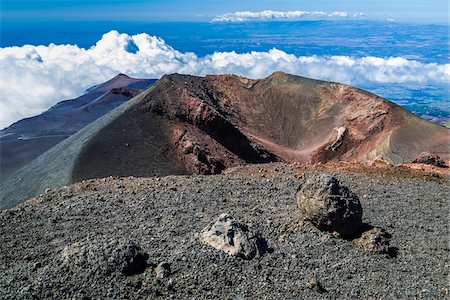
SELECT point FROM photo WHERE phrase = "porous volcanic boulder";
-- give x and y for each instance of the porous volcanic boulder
(430, 159)
(232, 237)
(104, 257)
(330, 206)
(375, 240)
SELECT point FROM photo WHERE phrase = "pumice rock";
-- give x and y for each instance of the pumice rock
(375, 240)
(330, 206)
(232, 237)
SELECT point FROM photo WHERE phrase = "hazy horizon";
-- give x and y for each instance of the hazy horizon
(388, 48)
(434, 11)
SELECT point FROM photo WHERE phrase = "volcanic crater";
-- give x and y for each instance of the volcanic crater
(185, 124)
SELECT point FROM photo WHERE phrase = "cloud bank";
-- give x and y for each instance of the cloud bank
(242, 16)
(33, 78)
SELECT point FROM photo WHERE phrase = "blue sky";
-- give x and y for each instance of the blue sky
(421, 11)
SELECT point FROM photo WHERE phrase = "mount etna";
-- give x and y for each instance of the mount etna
(184, 124)
(231, 150)
(315, 190)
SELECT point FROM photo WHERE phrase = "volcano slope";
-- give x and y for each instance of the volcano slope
(185, 124)
(26, 139)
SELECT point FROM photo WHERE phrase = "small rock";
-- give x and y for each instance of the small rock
(329, 205)
(162, 270)
(314, 284)
(27, 257)
(375, 240)
(134, 282)
(232, 237)
(171, 284)
(130, 259)
(192, 283)
(105, 256)
(36, 266)
(151, 292)
(257, 210)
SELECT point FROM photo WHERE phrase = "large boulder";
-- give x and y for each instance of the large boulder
(232, 237)
(329, 205)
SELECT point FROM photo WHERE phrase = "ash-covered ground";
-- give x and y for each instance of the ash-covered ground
(138, 238)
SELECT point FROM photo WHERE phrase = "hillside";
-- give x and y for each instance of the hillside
(26, 139)
(203, 125)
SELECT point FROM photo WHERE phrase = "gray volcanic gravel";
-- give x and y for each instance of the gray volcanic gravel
(76, 242)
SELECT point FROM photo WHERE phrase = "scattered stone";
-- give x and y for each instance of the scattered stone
(134, 282)
(163, 222)
(151, 292)
(171, 284)
(314, 284)
(162, 270)
(36, 266)
(232, 237)
(430, 159)
(106, 257)
(257, 210)
(27, 257)
(375, 240)
(329, 205)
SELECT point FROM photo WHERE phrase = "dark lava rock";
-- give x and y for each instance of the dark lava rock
(430, 159)
(375, 240)
(106, 257)
(329, 205)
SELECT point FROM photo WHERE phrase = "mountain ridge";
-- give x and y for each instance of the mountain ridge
(26, 139)
(185, 124)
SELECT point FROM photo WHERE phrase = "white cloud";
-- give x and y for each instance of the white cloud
(33, 78)
(242, 16)
(342, 14)
(359, 15)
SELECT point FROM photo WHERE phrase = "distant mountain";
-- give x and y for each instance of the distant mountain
(185, 124)
(26, 139)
